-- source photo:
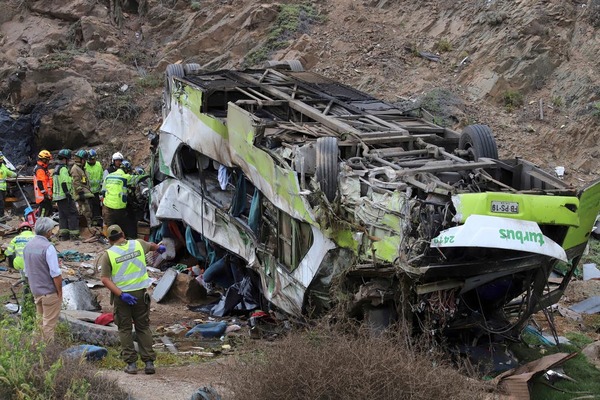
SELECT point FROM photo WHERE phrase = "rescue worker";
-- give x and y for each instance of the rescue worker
(14, 251)
(42, 184)
(4, 173)
(94, 171)
(114, 194)
(123, 272)
(43, 273)
(117, 160)
(68, 217)
(81, 186)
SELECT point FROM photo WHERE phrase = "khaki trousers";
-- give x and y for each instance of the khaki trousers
(138, 314)
(48, 309)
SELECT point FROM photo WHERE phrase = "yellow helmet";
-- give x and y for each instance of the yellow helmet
(44, 155)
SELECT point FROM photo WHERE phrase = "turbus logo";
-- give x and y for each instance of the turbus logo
(521, 236)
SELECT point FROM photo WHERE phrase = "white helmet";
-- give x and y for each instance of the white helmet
(117, 156)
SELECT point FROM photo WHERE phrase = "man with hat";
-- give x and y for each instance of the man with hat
(4, 173)
(43, 273)
(123, 272)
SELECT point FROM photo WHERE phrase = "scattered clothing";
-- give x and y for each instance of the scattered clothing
(90, 352)
(74, 256)
(105, 319)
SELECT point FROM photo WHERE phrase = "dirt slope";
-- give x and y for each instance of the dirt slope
(94, 83)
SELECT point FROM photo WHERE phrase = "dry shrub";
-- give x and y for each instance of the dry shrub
(341, 363)
(78, 379)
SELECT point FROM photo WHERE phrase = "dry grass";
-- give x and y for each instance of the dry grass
(343, 363)
(78, 379)
(29, 369)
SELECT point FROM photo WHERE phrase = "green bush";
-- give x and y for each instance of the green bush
(58, 59)
(150, 81)
(557, 101)
(33, 370)
(443, 46)
(512, 99)
(596, 109)
(291, 20)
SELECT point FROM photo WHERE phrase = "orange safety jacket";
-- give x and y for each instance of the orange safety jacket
(42, 182)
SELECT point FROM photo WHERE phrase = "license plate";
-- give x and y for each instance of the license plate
(505, 207)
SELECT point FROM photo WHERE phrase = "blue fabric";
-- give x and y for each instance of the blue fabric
(208, 330)
(191, 244)
(157, 234)
(212, 254)
(254, 214)
(220, 273)
(91, 353)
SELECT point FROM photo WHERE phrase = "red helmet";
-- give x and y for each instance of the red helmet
(24, 225)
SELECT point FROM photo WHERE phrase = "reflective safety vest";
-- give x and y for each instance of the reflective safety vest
(115, 187)
(61, 175)
(128, 263)
(5, 173)
(16, 247)
(94, 173)
(41, 174)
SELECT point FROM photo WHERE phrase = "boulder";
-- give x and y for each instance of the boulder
(33, 36)
(103, 67)
(187, 289)
(68, 118)
(592, 353)
(68, 10)
(97, 34)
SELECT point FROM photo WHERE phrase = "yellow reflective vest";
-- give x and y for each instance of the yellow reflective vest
(128, 263)
(5, 173)
(115, 189)
(16, 247)
(61, 175)
(95, 173)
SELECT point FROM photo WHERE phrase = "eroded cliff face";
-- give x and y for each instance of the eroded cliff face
(94, 83)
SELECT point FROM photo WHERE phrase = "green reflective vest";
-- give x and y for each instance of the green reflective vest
(94, 173)
(5, 173)
(16, 247)
(61, 175)
(115, 189)
(128, 263)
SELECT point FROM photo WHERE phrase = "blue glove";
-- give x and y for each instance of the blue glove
(127, 298)
(161, 249)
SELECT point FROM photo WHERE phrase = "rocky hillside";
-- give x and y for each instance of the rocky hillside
(89, 72)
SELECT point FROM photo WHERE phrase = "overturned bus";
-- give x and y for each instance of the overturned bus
(333, 196)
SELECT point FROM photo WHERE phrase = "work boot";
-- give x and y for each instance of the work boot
(131, 368)
(149, 369)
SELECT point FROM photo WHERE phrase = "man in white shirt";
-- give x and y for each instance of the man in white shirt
(43, 272)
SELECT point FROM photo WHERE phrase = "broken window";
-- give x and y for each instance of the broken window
(287, 238)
